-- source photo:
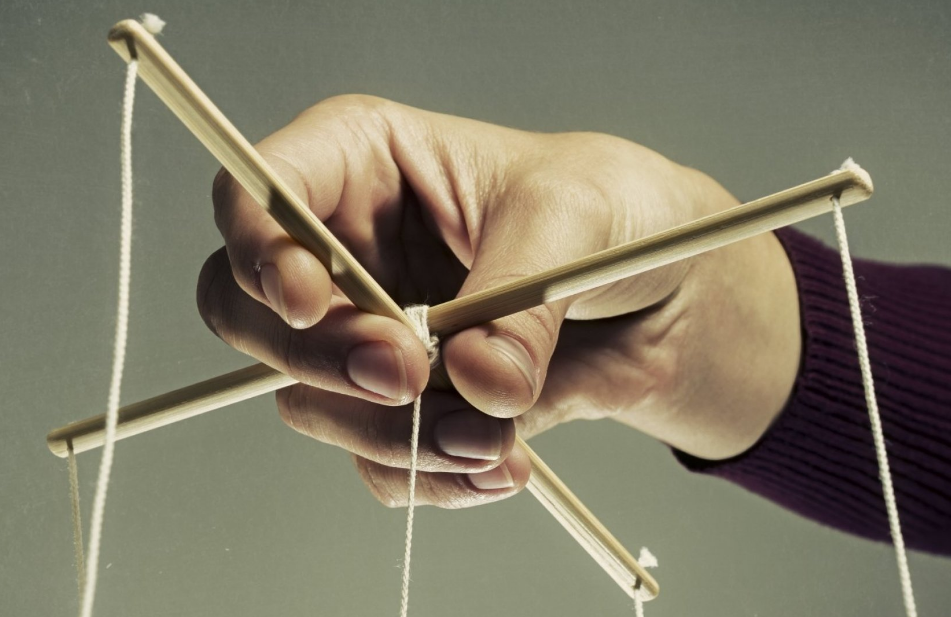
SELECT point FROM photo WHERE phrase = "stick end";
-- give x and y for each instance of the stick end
(57, 444)
(647, 588)
(124, 35)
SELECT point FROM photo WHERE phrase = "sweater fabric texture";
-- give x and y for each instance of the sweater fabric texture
(818, 458)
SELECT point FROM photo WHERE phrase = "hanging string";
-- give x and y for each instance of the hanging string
(884, 472)
(87, 570)
(419, 315)
(77, 516)
(119, 348)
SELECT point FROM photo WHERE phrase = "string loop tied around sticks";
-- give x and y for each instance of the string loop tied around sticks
(419, 316)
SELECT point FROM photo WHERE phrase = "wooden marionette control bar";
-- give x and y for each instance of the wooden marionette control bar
(236, 154)
(738, 223)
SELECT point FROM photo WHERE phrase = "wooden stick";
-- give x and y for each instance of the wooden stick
(710, 232)
(171, 407)
(738, 223)
(190, 104)
(732, 225)
(187, 101)
(237, 155)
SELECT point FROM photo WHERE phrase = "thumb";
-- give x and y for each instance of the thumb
(500, 367)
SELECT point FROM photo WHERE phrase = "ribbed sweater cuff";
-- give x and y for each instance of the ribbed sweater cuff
(818, 457)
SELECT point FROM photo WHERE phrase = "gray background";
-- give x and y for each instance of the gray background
(234, 514)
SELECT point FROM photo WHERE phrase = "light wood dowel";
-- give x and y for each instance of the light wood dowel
(735, 224)
(171, 407)
(238, 156)
(200, 115)
(587, 530)
(739, 223)
(714, 231)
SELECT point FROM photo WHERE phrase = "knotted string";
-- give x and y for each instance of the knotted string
(419, 316)
(865, 365)
(642, 595)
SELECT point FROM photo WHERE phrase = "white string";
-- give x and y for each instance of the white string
(77, 516)
(884, 473)
(419, 316)
(410, 508)
(647, 560)
(118, 351)
(87, 570)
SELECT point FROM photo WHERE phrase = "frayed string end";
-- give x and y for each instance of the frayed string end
(647, 560)
(851, 165)
(152, 23)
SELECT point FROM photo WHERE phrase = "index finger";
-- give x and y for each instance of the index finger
(315, 159)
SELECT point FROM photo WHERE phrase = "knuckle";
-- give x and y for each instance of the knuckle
(591, 141)
(291, 171)
(445, 495)
(292, 404)
(245, 262)
(302, 360)
(545, 320)
(217, 300)
(532, 185)
(222, 190)
(241, 246)
(378, 483)
(379, 437)
(555, 183)
(452, 492)
(565, 191)
(584, 197)
(285, 407)
(208, 294)
(371, 434)
(352, 103)
(356, 118)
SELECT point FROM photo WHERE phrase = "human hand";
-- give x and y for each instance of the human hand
(435, 207)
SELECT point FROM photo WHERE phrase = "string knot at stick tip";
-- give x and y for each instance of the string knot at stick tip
(152, 23)
(850, 165)
(642, 594)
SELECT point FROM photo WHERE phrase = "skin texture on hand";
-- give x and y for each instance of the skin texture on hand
(701, 354)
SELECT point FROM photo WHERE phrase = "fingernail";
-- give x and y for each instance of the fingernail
(469, 434)
(378, 367)
(492, 479)
(516, 352)
(273, 290)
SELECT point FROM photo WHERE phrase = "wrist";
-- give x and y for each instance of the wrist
(732, 337)
(745, 350)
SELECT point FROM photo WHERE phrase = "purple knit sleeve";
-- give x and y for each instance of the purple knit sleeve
(818, 459)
